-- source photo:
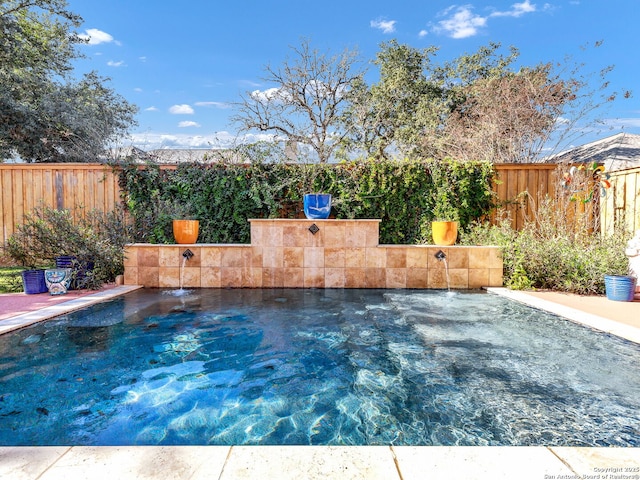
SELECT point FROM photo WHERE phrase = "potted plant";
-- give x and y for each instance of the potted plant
(444, 227)
(33, 280)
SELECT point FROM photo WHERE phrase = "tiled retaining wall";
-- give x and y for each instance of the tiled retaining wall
(285, 253)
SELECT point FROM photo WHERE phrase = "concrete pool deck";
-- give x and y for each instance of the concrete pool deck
(326, 463)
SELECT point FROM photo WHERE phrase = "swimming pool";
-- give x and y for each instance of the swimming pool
(321, 367)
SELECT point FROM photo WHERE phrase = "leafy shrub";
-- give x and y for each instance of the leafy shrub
(548, 254)
(224, 195)
(47, 233)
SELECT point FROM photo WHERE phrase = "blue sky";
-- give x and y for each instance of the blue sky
(184, 63)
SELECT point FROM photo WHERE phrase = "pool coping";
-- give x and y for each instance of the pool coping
(26, 319)
(612, 327)
(316, 462)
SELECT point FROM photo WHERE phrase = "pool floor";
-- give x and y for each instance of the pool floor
(376, 393)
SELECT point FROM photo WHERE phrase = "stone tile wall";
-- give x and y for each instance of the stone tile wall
(285, 253)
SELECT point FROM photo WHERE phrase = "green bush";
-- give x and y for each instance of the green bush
(223, 196)
(548, 254)
(47, 233)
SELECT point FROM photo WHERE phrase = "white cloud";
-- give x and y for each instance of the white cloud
(137, 90)
(142, 59)
(517, 10)
(423, 33)
(150, 141)
(267, 95)
(187, 124)
(96, 37)
(111, 63)
(181, 109)
(387, 26)
(462, 23)
(151, 109)
(212, 104)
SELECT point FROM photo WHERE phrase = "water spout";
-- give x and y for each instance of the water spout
(187, 254)
(442, 257)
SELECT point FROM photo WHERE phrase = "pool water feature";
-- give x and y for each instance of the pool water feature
(322, 367)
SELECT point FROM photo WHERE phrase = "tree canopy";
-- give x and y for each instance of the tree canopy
(475, 107)
(46, 115)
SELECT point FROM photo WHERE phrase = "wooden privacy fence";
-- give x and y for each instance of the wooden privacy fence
(621, 207)
(71, 186)
(95, 186)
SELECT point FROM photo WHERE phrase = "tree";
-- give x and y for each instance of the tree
(45, 115)
(308, 100)
(383, 115)
(473, 107)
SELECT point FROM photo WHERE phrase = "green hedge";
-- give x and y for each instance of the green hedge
(223, 196)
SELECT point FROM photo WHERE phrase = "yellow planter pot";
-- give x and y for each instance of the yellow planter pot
(444, 233)
(186, 231)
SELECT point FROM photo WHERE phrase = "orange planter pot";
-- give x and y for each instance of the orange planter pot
(186, 231)
(444, 233)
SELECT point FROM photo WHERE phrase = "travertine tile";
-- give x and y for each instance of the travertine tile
(313, 257)
(334, 257)
(355, 257)
(293, 257)
(334, 277)
(437, 278)
(334, 235)
(355, 235)
(231, 277)
(417, 277)
(375, 278)
(396, 278)
(314, 277)
(169, 277)
(458, 278)
(252, 277)
(211, 257)
(295, 236)
(417, 257)
(396, 257)
(272, 277)
(496, 277)
(125, 463)
(149, 277)
(131, 276)
(293, 277)
(479, 257)
(272, 257)
(458, 257)
(310, 463)
(354, 277)
(148, 256)
(376, 257)
(131, 256)
(169, 257)
(191, 277)
(479, 277)
(499, 463)
(210, 277)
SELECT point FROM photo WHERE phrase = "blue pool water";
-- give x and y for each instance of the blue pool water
(322, 367)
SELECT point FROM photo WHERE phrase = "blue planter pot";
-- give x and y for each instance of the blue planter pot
(33, 282)
(317, 205)
(79, 269)
(620, 288)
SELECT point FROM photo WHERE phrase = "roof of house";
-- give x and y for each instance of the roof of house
(617, 152)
